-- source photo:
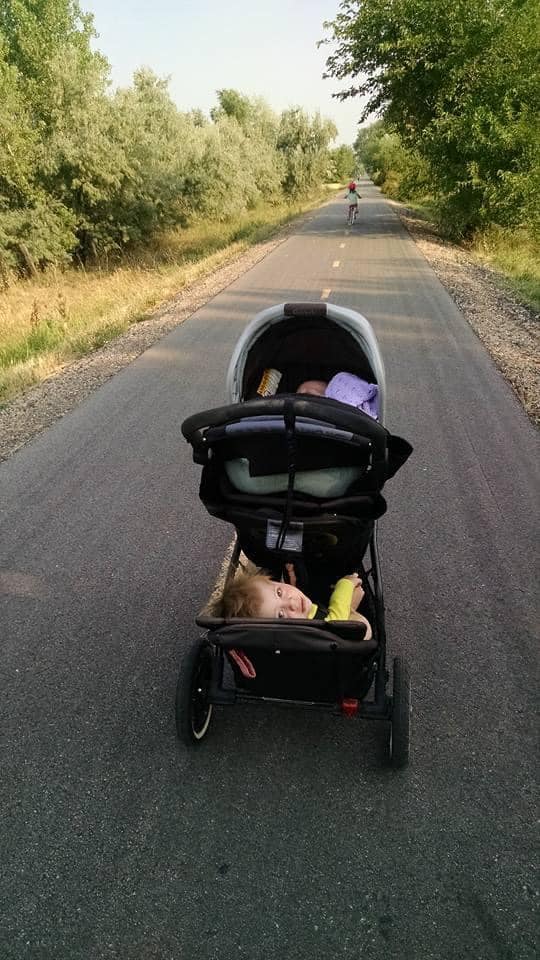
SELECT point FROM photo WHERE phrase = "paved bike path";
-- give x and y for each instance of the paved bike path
(284, 836)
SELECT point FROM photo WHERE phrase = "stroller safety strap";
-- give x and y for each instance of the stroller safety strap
(289, 417)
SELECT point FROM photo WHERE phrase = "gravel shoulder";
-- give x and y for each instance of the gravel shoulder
(508, 329)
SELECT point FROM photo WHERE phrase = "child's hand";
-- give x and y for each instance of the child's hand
(358, 590)
(291, 573)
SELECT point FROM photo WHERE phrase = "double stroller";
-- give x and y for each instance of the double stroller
(299, 477)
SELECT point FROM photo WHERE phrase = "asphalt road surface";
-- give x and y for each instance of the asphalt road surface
(283, 837)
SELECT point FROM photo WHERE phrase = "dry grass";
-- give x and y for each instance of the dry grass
(513, 252)
(517, 255)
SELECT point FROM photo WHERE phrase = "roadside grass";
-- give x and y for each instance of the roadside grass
(64, 315)
(512, 252)
(517, 255)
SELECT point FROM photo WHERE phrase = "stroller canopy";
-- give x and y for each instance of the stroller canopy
(305, 341)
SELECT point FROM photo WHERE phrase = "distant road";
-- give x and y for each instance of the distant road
(284, 837)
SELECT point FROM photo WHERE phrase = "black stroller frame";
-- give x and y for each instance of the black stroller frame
(318, 664)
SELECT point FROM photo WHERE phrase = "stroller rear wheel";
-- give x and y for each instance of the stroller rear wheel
(400, 725)
(193, 709)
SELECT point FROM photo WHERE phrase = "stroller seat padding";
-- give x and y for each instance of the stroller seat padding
(327, 483)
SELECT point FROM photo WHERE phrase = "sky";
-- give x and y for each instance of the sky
(263, 48)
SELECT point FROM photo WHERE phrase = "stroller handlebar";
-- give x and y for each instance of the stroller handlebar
(316, 408)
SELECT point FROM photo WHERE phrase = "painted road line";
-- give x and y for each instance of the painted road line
(335, 263)
(341, 246)
(326, 293)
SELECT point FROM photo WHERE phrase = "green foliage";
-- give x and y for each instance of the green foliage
(19, 142)
(55, 81)
(232, 104)
(401, 172)
(303, 143)
(344, 162)
(459, 84)
(36, 235)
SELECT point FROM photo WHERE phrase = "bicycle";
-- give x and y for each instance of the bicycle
(352, 214)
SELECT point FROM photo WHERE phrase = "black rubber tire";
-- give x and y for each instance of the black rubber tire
(400, 727)
(193, 712)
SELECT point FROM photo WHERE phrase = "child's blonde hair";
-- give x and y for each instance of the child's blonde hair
(240, 597)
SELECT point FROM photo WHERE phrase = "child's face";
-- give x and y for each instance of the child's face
(315, 388)
(282, 600)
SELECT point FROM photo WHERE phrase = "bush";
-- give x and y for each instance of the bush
(35, 236)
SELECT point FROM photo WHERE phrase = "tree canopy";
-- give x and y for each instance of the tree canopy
(459, 83)
(84, 170)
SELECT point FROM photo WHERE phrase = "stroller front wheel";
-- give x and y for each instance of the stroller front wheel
(400, 725)
(193, 709)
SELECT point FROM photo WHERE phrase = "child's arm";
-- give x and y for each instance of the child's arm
(341, 602)
(339, 606)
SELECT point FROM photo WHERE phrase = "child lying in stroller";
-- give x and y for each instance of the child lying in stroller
(345, 387)
(257, 595)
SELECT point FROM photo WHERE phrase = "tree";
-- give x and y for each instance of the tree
(459, 83)
(400, 170)
(54, 79)
(36, 32)
(232, 104)
(344, 162)
(304, 142)
(19, 143)
(84, 172)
